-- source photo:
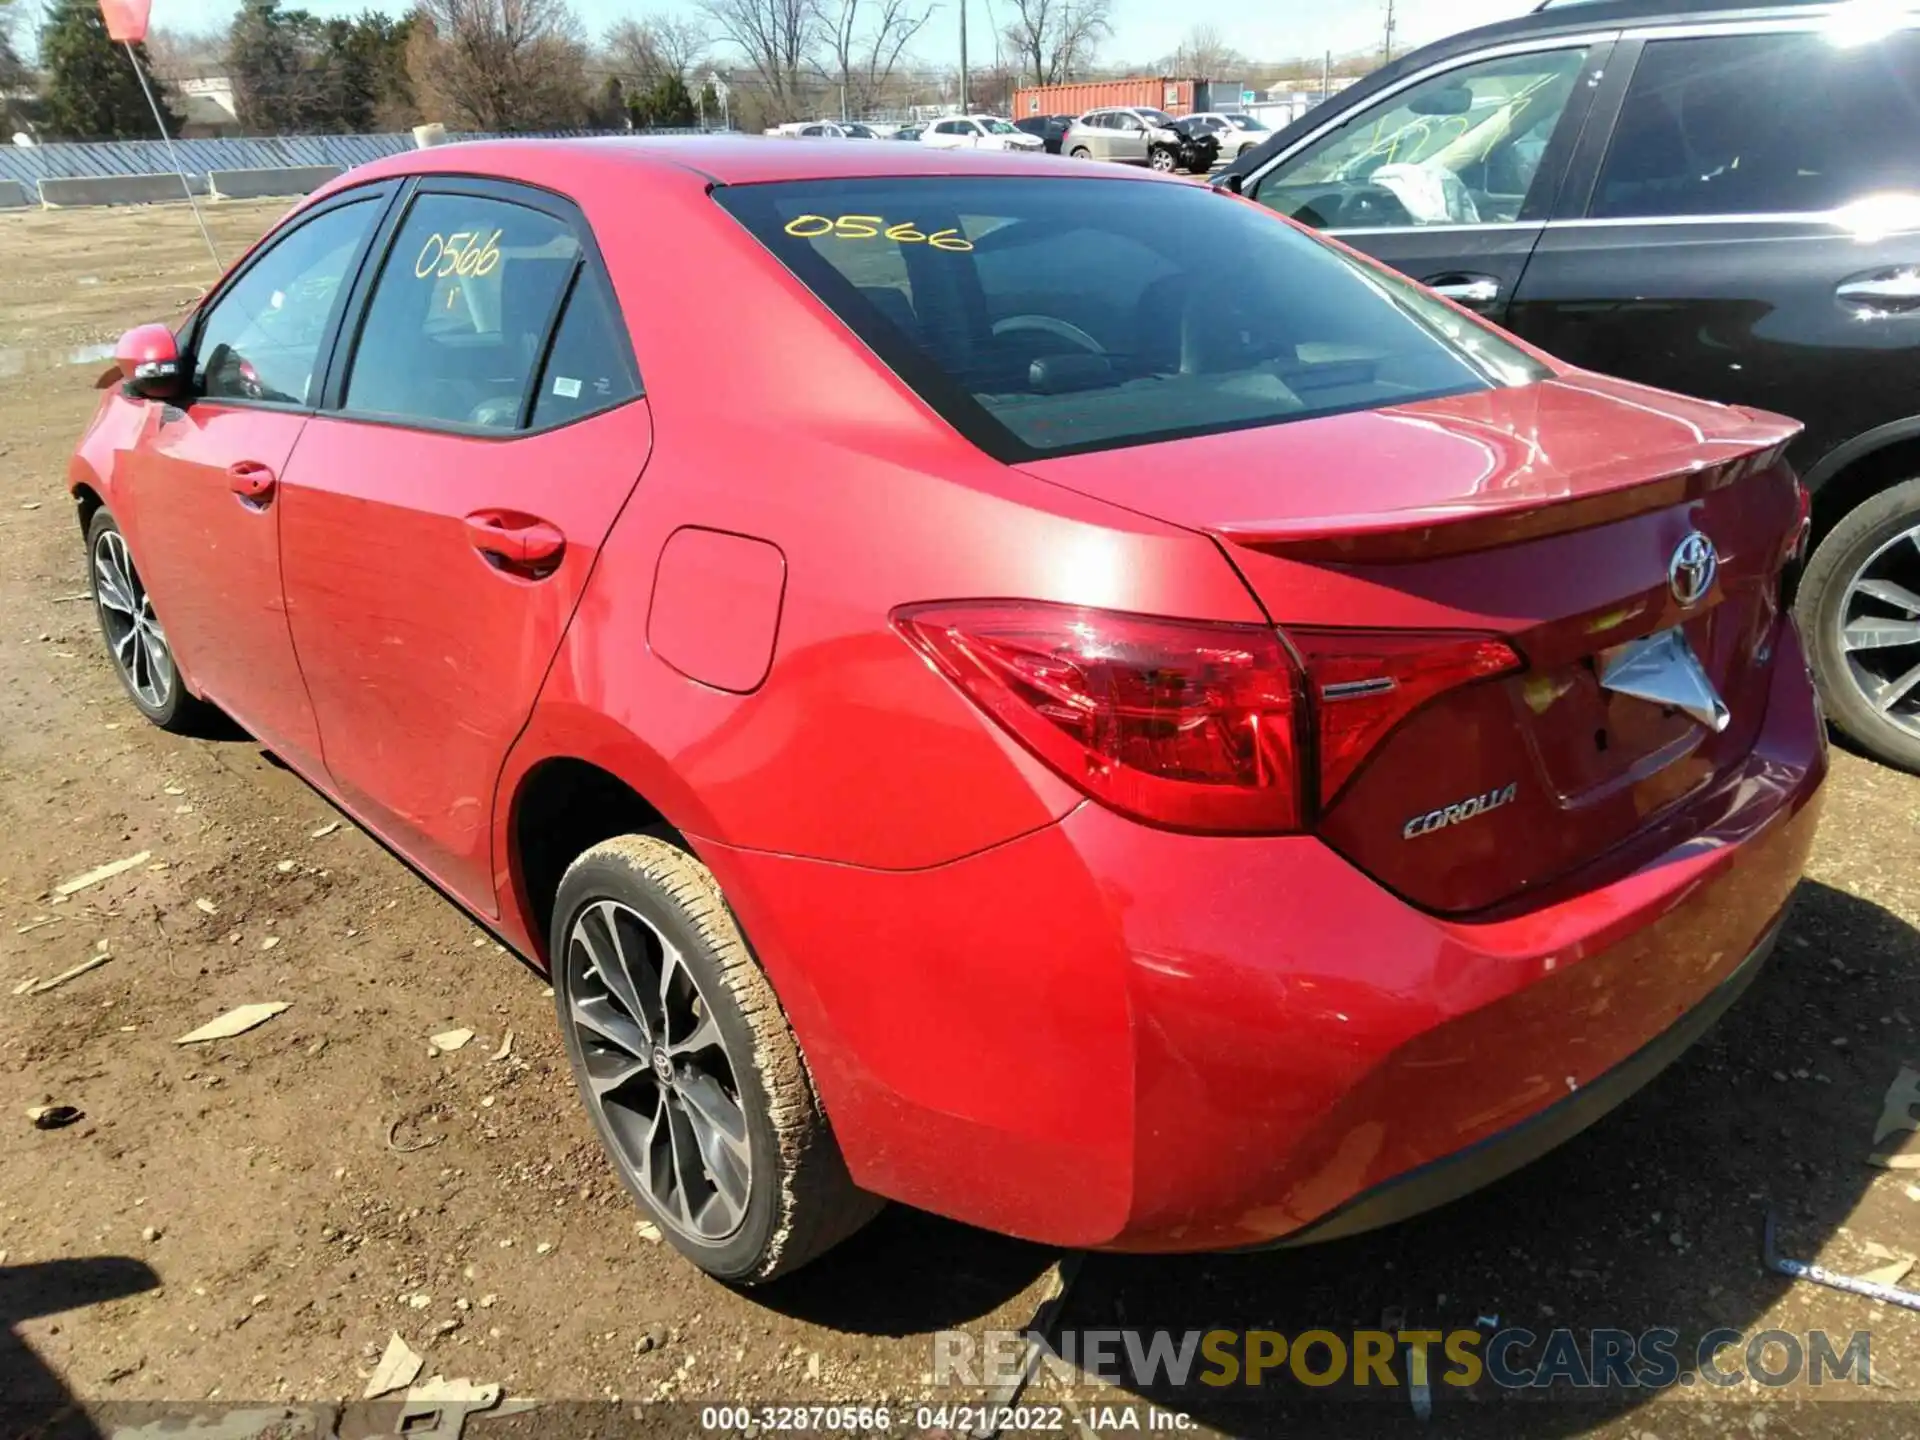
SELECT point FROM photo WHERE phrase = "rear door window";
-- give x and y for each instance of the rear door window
(590, 365)
(1763, 124)
(1048, 316)
(460, 314)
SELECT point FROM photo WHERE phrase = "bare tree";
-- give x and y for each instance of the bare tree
(654, 47)
(1205, 55)
(499, 64)
(1054, 40)
(864, 43)
(779, 39)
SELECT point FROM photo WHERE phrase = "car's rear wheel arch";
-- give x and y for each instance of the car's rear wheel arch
(562, 808)
(1853, 473)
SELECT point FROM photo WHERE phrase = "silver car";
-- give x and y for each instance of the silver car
(1124, 133)
(1236, 132)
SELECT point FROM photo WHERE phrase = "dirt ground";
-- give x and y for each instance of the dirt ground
(249, 1221)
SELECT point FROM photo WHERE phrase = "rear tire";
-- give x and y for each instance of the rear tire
(704, 1106)
(1869, 544)
(136, 643)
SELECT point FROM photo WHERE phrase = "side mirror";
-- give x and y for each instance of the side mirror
(1448, 100)
(148, 361)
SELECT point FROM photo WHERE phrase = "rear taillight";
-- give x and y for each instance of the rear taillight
(1190, 724)
(1365, 682)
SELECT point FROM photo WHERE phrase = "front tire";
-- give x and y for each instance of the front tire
(1859, 610)
(693, 1079)
(1080, 152)
(1160, 158)
(136, 643)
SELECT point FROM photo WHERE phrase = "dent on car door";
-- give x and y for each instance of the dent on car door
(198, 496)
(1451, 177)
(443, 514)
(1751, 232)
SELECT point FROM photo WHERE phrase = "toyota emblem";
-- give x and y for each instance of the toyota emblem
(1690, 573)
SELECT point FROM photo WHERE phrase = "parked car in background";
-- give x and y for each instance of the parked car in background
(1133, 698)
(810, 130)
(1132, 135)
(978, 132)
(1051, 129)
(856, 130)
(1237, 133)
(1719, 201)
(908, 132)
(1198, 148)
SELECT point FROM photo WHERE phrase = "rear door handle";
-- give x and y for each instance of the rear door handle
(252, 482)
(1472, 291)
(519, 543)
(1883, 292)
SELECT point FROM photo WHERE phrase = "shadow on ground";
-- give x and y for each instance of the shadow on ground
(34, 1400)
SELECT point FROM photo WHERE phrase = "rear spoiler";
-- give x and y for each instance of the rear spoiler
(1434, 532)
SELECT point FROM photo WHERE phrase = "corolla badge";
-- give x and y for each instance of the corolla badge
(1690, 573)
(1454, 814)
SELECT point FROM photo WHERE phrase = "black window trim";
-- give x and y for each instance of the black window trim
(381, 194)
(508, 192)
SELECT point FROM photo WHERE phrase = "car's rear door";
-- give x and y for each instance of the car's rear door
(443, 511)
(1451, 175)
(199, 497)
(1749, 228)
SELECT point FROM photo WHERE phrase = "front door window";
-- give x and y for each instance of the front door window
(1460, 148)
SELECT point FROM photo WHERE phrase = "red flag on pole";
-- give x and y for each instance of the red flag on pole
(126, 19)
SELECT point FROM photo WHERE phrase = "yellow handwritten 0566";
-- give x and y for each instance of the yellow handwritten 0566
(461, 253)
(873, 227)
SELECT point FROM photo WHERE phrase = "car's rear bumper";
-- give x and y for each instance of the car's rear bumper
(1100, 1034)
(1461, 1173)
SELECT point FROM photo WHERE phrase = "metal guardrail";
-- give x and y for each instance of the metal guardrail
(30, 164)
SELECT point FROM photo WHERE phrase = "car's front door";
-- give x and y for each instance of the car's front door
(1750, 231)
(1451, 176)
(445, 506)
(1128, 140)
(199, 496)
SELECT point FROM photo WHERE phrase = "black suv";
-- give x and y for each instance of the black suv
(1719, 201)
(1050, 128)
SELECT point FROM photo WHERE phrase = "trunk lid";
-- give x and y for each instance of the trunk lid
(1552, 516)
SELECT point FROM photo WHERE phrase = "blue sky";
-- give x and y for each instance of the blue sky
(1143, 29)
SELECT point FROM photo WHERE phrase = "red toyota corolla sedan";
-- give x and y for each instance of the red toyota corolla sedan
(1057, 697)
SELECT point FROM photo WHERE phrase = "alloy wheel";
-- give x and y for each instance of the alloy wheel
(659, 1071)
(134, 636)
(1879, 622)
(1161, 160)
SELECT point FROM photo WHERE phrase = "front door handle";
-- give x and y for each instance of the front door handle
(522, 544)
(252, 482)
(1473, 291)
(1882, 292)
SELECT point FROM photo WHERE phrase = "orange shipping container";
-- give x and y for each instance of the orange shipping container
(1155, 92)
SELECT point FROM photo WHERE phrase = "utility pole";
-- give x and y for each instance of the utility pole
(1387, 55)
(1326, 77)
(965, 108)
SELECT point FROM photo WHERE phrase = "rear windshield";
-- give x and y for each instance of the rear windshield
(1052, 315)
